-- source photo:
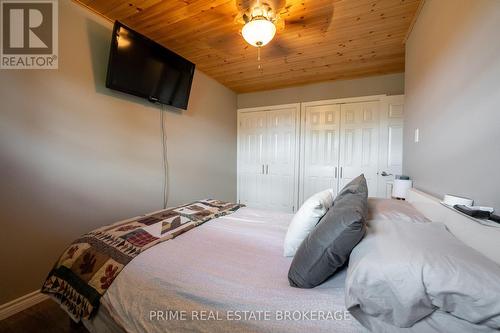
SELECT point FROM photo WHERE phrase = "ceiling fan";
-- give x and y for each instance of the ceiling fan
(259, 24)
(262, 20)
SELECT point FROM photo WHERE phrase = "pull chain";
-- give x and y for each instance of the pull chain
(258, 58)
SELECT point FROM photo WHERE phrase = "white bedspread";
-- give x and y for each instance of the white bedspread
(230, 264)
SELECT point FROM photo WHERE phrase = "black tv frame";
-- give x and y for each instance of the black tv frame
(112, 55)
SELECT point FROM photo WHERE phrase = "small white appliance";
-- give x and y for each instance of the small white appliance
(400, 188)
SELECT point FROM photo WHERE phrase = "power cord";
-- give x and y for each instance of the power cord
(165, 157)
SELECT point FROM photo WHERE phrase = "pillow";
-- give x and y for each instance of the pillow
(328, 246)
(353, 187)
(403, 271)
(306, 219)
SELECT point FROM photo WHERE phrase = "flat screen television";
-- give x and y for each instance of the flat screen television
(139, 66)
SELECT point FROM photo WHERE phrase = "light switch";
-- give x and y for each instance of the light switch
(417, 135)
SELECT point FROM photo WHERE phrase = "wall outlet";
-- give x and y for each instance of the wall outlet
(417, 135)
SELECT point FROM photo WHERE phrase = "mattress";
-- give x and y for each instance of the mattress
(228, 275)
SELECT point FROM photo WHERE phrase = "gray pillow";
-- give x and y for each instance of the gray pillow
(327, 247)
(404, 271)
(356, 185)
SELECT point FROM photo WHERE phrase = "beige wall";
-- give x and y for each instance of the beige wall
(392, 84)
(75, 155)
(453, 97)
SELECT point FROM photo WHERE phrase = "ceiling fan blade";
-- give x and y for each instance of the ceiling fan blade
(297, 15)
(276, 5)
(244, 5)
(247, 5)
(233, 44)
(276, 49)
(280, 25)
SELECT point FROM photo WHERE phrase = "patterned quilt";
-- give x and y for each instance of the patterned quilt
(89, 265)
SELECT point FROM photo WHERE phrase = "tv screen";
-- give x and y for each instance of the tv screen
(144, 68)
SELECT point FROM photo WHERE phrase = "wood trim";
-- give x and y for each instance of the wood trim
(21, 303)
(270, 107)
(371, 98)
(93, 10)
(414, 20)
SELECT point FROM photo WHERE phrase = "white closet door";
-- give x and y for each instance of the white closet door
(252, 159)
(359, 143)
(391, 143)
(320, 149)
(281, 180)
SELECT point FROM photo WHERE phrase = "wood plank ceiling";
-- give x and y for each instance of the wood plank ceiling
(320, 40)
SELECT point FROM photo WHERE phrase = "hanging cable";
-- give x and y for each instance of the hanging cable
(164, 156)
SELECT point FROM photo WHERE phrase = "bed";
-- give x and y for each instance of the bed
(233, 263)
(229, 275)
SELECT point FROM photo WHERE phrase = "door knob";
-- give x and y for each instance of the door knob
(385, 174)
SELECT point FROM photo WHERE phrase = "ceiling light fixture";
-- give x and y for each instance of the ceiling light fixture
(259, 28)
(259, 31)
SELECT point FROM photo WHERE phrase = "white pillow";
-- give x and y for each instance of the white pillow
(306, 218)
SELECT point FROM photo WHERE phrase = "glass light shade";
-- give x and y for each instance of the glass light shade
(259, 32)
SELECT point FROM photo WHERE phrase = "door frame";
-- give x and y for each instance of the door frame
(303, 106)
(385, 185)
(296, 163)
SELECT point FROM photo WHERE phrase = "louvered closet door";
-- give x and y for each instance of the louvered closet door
(252, 159)
(320, 149)
(281, 180)
(359, 143)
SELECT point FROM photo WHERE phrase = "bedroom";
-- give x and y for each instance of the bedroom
(422, 78)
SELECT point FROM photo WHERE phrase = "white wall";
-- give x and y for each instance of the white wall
(75, 155)
(392, 84)
(452, 83)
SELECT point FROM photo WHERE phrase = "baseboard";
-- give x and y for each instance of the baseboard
(21, 303)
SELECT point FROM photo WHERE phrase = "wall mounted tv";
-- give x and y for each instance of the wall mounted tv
(144, 68)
